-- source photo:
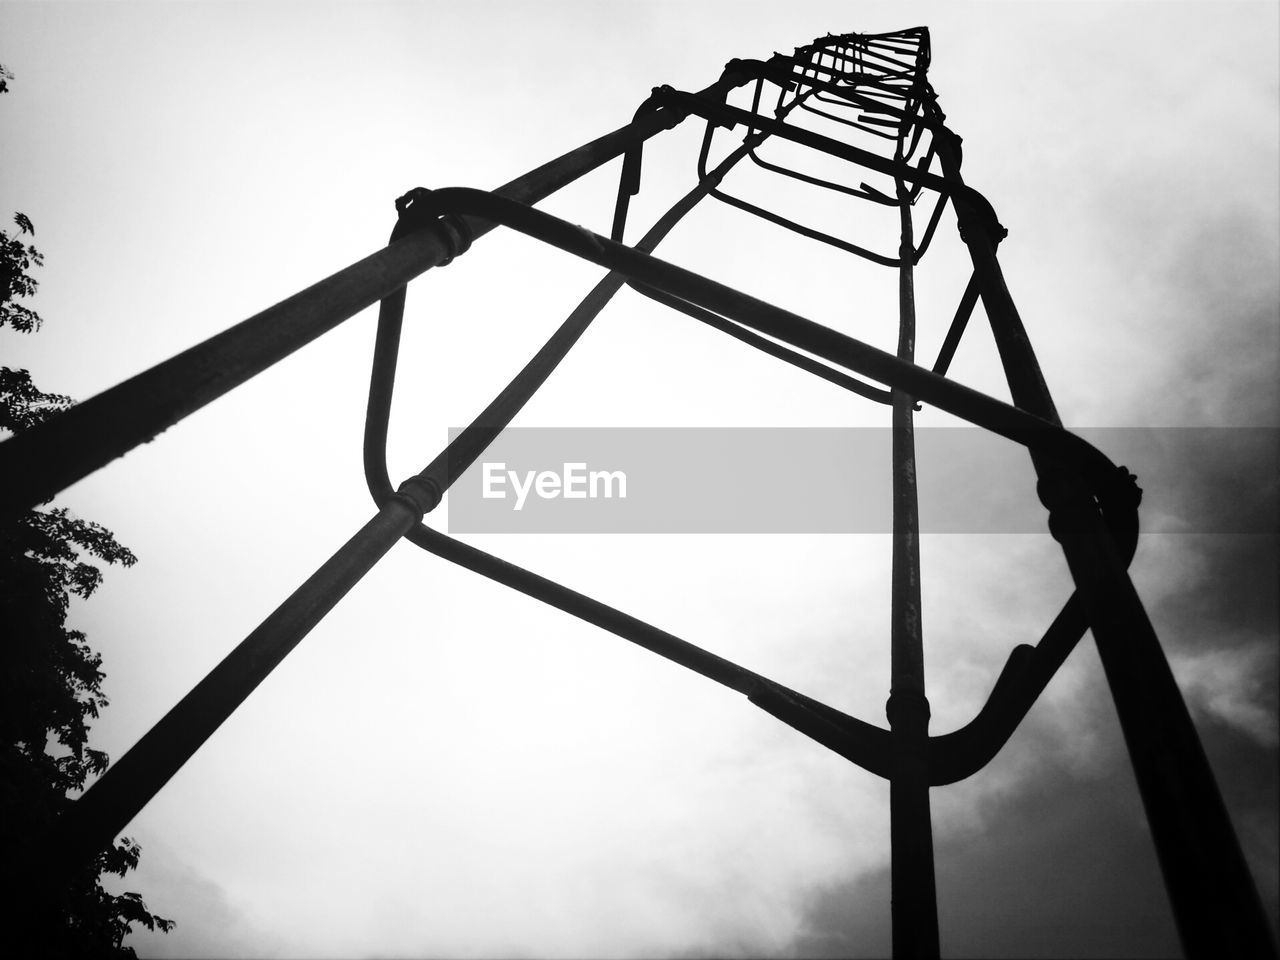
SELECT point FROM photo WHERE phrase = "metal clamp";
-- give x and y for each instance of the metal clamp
(416, 214)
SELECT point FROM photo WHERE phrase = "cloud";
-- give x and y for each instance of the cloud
(1234, 687)
(208, 922)
(1063, 867)
(1051, 857)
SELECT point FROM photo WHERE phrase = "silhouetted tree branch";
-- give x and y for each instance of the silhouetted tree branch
(50, 679)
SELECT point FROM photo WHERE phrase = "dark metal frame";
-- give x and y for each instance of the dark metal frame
(1092, 503)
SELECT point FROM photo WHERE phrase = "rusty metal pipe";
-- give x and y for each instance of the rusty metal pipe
(914, 893)
(764, 345)
(968, 300)
(863, 743)
(1215, 901)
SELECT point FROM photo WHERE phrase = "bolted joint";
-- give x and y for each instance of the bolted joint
(629, 184)
(1119, 496)
(457, 236)
(666, 97)
(975, 216)
(780, 71)
(714, 178)
(776, 69)
(416, 213)
(907, 710)
(1059, 486)
(734, 74)
(419, 494)
(1067, 499)
(1121, 490)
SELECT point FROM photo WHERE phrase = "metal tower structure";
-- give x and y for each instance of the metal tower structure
(875, 92)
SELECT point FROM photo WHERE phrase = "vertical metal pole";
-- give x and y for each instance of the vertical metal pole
(1215, 902)
(915, 911)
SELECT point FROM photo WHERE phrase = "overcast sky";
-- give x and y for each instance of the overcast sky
(446, 767)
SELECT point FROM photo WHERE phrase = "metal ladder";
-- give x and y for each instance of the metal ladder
(877, 85)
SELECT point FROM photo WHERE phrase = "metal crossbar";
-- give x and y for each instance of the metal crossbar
(880, 83)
